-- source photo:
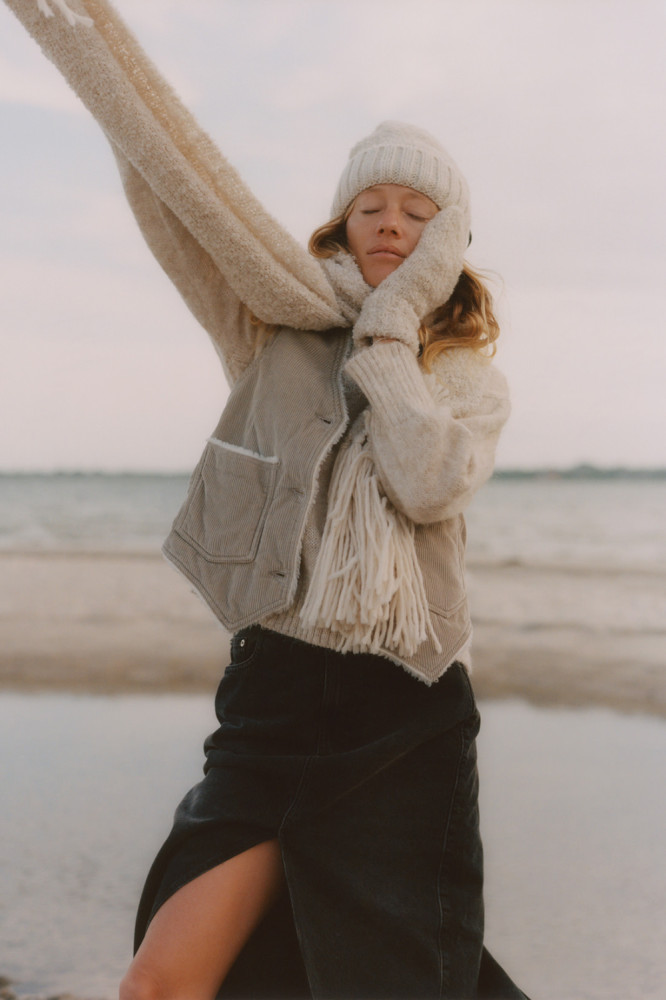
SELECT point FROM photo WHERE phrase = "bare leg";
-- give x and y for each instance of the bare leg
(195, 937)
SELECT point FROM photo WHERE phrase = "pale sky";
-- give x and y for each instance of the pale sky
(554, 110)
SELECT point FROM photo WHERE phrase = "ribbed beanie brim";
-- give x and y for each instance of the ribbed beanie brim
(397, 153)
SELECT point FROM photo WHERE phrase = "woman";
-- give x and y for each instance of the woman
(338, 812)
(332, 848)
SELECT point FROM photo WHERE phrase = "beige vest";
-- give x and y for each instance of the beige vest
(238, 535)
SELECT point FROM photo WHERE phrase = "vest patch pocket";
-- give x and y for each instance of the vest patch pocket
(440, 549)
(225, 513)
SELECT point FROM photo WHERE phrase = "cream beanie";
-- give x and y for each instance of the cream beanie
(397, 153)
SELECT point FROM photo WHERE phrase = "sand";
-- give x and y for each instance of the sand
(573, 827)
(118, 622)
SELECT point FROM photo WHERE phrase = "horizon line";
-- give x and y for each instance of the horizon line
(579, 468)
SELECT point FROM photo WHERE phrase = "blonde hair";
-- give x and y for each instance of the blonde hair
(466, 320)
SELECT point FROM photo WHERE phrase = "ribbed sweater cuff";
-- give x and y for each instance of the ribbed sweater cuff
(389, 375)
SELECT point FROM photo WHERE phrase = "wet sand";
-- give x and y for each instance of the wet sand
(122, 623)
(571, 815)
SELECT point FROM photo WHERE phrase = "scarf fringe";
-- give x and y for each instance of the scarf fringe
(71, 17)
(367, 583)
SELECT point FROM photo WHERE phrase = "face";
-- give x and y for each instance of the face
(384, 226)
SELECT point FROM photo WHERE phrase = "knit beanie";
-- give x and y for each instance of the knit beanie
(397, 153)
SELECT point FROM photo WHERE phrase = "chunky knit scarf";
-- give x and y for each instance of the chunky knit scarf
(151, 130)
(367, 585)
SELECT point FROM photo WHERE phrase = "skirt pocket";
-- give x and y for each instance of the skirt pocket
(244, 648)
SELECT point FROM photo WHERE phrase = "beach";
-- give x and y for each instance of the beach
(110, 622)
(108, 665)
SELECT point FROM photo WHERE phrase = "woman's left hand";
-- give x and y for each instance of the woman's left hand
(395, 309)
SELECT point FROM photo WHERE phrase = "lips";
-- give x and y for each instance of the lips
(385, 249)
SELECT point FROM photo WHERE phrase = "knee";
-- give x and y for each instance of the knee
(139, 984)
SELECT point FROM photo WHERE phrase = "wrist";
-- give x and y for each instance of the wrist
(395, 320)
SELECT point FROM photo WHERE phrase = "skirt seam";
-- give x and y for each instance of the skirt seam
(297, 794)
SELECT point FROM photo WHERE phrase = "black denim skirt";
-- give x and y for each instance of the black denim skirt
(368, 778)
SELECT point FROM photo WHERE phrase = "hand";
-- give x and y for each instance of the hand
(395, 309)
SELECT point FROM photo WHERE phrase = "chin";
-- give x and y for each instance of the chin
(376, 274)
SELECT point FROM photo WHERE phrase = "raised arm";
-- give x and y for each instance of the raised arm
(153, 133)
(433, 435)
(192, 270)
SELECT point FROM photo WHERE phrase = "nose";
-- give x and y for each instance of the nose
(389, 221)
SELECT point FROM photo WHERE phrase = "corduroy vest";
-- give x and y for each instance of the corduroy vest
(238, 535)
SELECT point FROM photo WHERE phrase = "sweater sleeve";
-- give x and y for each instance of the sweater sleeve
(146, 122)
(431, 453)
(206, 293)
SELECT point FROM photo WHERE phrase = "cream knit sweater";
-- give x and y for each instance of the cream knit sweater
(176, 179)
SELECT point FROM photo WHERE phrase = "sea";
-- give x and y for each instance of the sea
(579, 520)
(573, 814)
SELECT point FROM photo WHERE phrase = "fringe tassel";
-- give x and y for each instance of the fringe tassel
(71, 17)
(367, 584)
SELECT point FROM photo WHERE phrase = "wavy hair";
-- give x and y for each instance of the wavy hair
(467, 319)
